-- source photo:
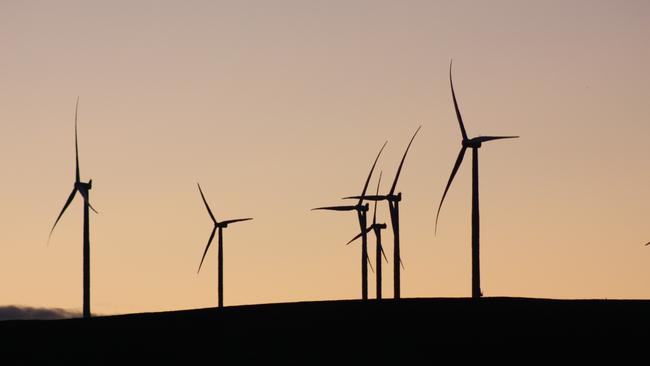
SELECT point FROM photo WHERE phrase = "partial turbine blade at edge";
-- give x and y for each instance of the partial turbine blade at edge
(399, 169)
(65, 206)
(370, 263)
(458, 116)
(459, 160)
(206, 248)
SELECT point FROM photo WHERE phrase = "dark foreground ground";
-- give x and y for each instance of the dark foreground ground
(333, 331)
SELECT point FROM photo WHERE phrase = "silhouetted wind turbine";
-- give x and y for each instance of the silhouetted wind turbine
(393, 206)
(361, 210)
(377, 228)
(474, 144)
(83, 189)
(217, 225)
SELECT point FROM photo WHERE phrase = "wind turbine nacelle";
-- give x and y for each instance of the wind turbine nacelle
(363, 208)
(380, 226)
(84, 186)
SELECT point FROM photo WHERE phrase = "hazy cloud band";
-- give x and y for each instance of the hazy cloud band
(12, 312)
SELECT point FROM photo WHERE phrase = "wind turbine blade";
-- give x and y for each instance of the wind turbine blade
(648, 243)
(491, 138)
(92, 208)
(206, 204)
(76, 145)
(367, 198)
(357, 237)
(374, 211)
(459, 160)
(384, 254)
(360, 234)
(399, 170)
(401, 263)
(85, 196)
(336, 208)
(365, 186)
(65, 206)
(458, 116)
(206, 248)
(370, 263)
(235, 220)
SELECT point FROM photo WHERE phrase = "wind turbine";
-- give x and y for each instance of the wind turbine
(217, 225)
(474, 144)
(361, 210)
(84, 190)
(393, 206)
(376, 228)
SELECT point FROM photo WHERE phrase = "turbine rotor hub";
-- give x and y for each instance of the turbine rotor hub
(394, 197)
(472, 143)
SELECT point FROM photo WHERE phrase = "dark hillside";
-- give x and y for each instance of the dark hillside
(327, 330)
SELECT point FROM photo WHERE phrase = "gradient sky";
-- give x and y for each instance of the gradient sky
(278, 107)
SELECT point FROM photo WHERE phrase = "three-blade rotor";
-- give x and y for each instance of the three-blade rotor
(217, 225)
(374, 225)
(79, 186)
(473, 143)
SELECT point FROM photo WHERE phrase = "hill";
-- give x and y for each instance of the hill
(329, 330)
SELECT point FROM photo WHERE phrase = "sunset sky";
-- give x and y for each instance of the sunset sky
(277, 107)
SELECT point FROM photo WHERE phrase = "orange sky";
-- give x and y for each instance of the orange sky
(278, 107)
